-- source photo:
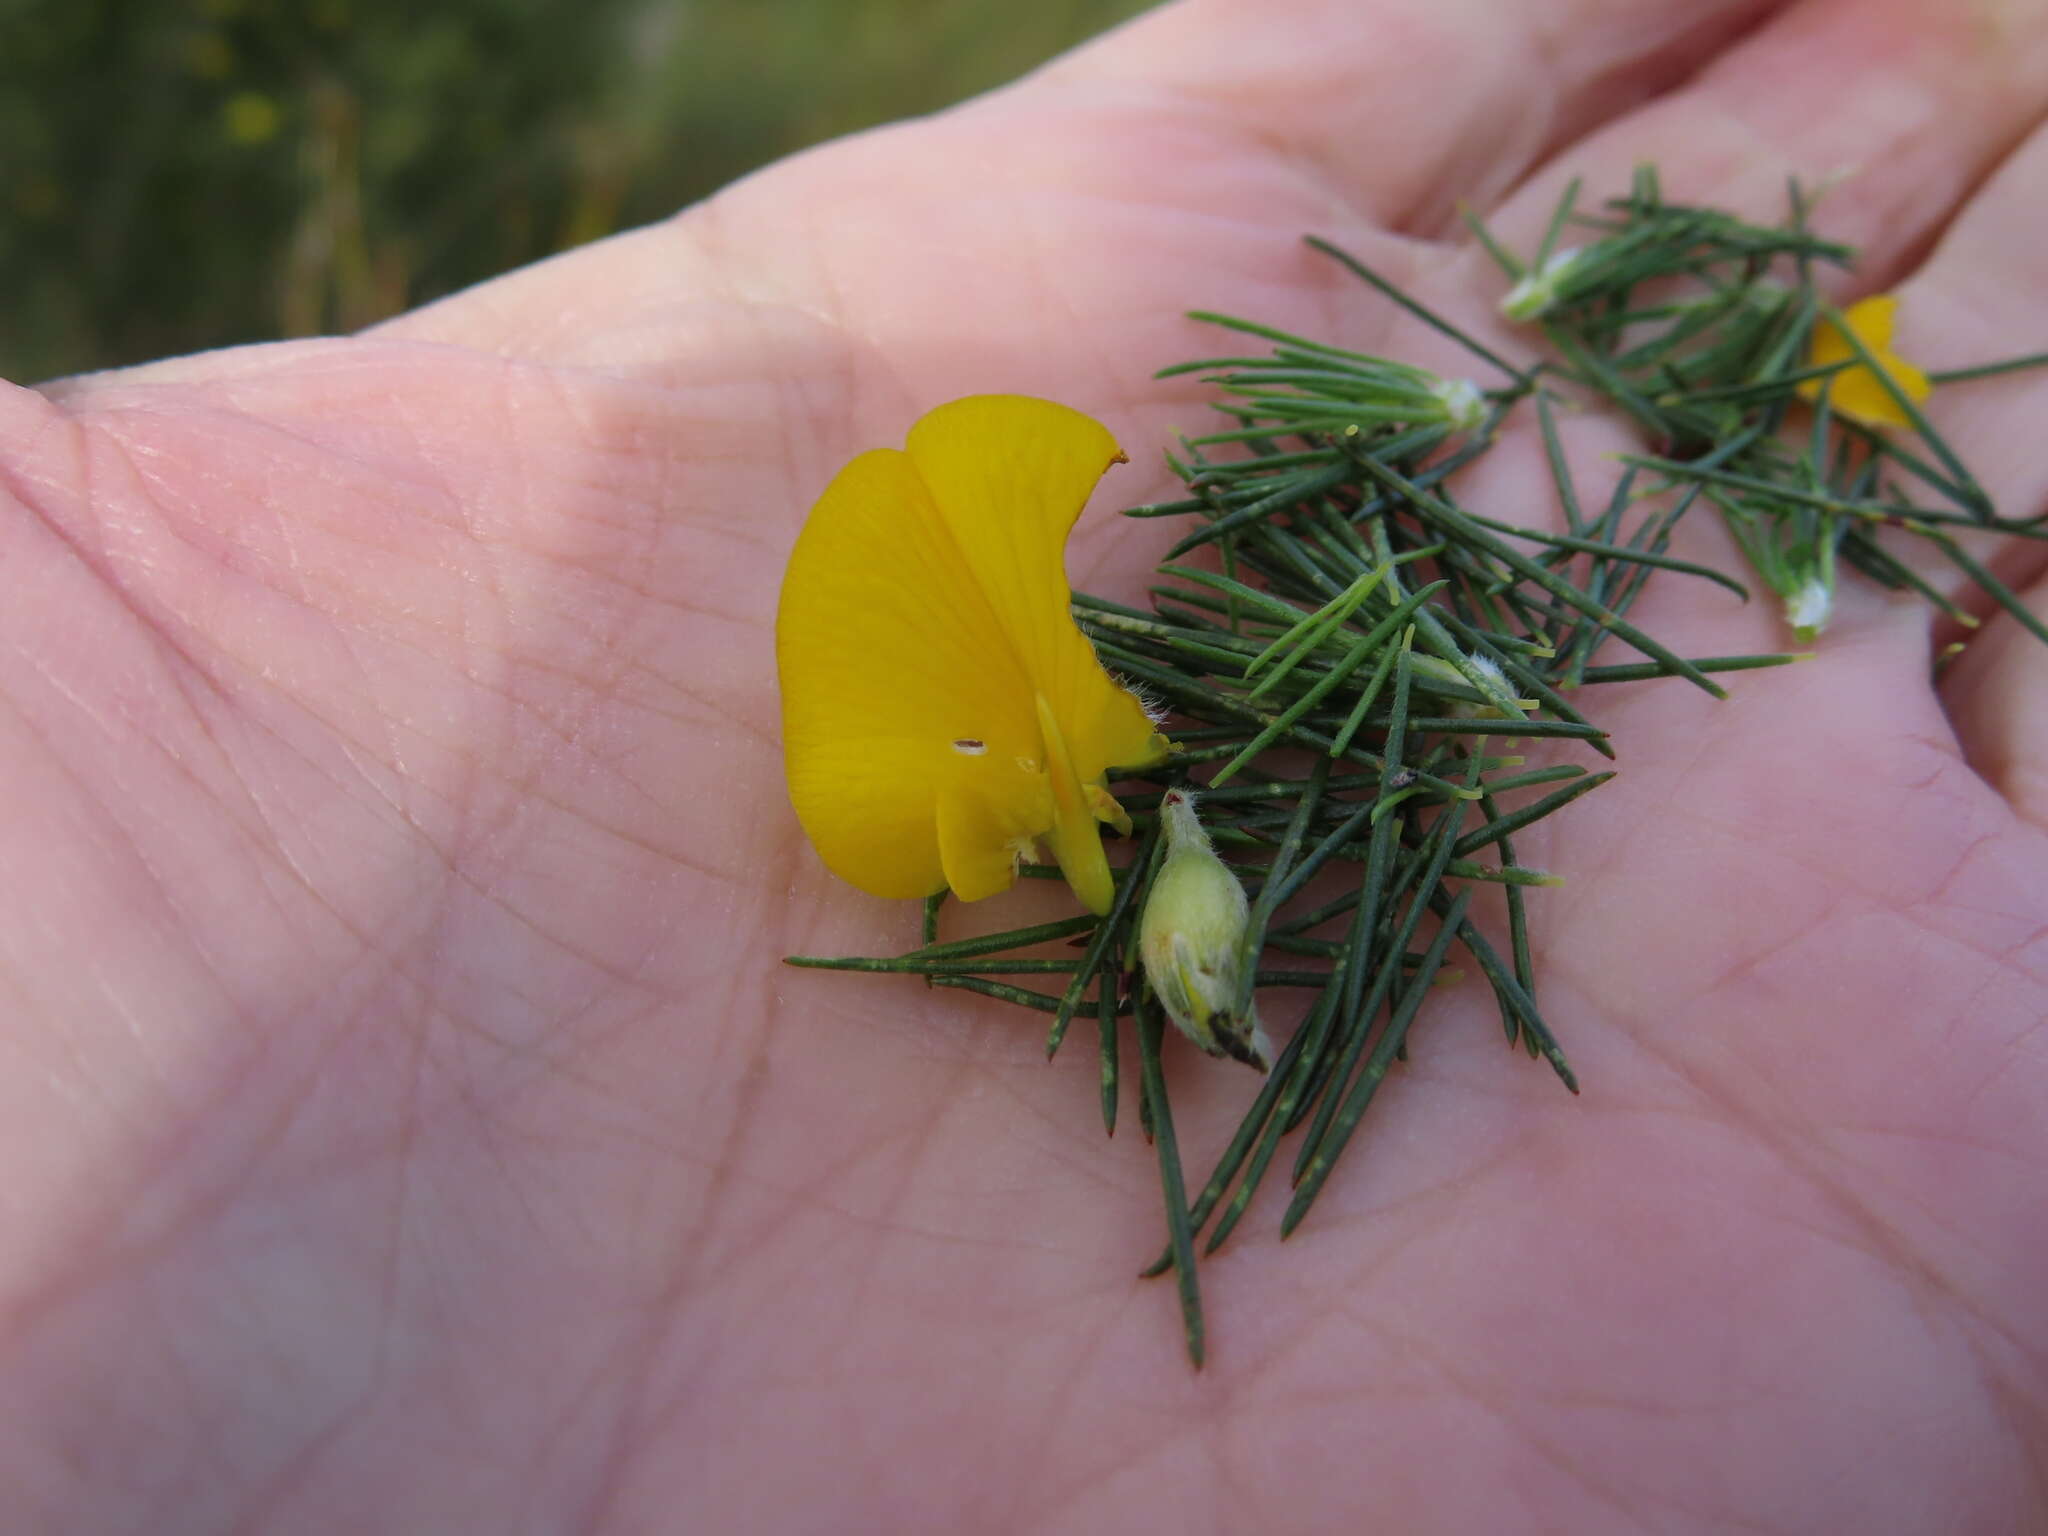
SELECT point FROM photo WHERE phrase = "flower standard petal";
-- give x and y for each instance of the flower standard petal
(924, 639)
(1011, 475)
(889, 655)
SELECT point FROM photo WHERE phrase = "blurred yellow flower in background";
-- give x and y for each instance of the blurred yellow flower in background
(941, 712)
(1857, 392)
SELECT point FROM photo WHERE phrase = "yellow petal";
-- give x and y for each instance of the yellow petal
(1011, 475)
(1105, 807)
(1856, 391)
(923, 616)
(1075, 841)
(878, 620)
(985, 821)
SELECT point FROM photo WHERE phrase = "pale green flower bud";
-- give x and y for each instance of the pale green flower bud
(1464, 407)
(1807, 611)
(1537, 290)
(1191, 937)
(1481, 674)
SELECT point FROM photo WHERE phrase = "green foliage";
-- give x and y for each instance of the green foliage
(179, 174)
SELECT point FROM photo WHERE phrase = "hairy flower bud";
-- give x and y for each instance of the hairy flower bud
(1192, 937)
(1464, 406)
(1807, 610)
(1537, 290)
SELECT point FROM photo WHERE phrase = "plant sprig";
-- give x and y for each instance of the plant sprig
(1701, 327)
(1350, 679)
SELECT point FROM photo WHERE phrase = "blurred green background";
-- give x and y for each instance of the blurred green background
(179, 174)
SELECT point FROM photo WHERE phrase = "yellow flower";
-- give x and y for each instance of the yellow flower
(1856, 391)
(940, 710)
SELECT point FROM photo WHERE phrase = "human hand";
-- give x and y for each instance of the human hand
(413, 1129)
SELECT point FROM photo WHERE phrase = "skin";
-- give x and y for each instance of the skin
(408, 1125)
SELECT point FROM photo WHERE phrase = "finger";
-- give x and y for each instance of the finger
(1409, 107)
(1997, 698)
(1901, 106)
(1983, 296)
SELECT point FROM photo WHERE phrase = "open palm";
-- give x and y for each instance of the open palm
(410, 1127)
